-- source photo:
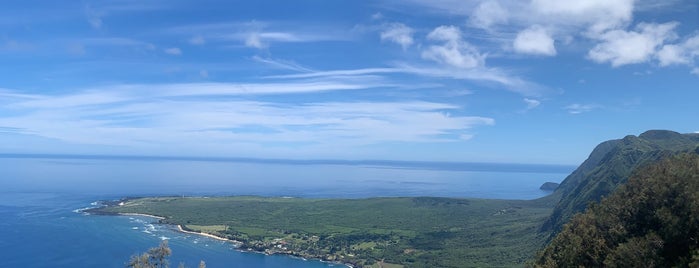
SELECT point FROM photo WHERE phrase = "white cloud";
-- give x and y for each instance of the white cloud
(398, 33)
(695, 71)
(377, 16)
(621, 47)
(131, 116)
(531, 103)
(197, 40)
(281, 64)
(535, 40)
(680, 53)
(605, 23)
(253, 40)
(119, 93)
(262, 39)
(598, 15)
(204, 74)
(489, 14)
(445, 33)
(507, 81)
(173, 51)
(580, 108)
(454, 51)
(258, 34)
(672, 54)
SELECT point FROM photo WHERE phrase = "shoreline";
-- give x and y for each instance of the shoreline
(142, 215)
(179, 228)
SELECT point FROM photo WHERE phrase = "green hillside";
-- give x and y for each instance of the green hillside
(652, 221)
(452, 232)
(608, 166)
(414, 232)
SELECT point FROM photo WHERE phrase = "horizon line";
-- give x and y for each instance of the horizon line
(419, 164)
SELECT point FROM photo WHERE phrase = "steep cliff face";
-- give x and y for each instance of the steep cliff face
(650, 221)
(609, 165)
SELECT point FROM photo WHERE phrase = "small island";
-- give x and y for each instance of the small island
(549, 186)
(373, 232)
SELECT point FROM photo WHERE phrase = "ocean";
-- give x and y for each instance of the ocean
(40, 198)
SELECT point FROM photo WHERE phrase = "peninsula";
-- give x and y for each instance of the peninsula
(420, 231)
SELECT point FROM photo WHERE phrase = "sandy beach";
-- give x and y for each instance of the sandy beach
(140, 214)
(179, 228)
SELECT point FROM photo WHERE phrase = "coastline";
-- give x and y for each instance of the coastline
(179, 228)
(141, 214)
(238, 243)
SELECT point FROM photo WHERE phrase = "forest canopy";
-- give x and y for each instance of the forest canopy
(652, 221)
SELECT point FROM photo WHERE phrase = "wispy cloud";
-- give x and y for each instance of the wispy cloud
(531, 103)
(283, 64)
(454, 51)
(488, 14)
(488, 75)
(173, 51)
(152, 116)
(94, 17)
(256, 34)
(197, 40)
(398, 33)
(577, 108)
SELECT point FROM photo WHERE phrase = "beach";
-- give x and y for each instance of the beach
(143, 215)
(179, 228)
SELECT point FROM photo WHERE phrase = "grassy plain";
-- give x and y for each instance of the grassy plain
(414, 232)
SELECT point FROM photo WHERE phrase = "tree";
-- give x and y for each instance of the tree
(140, 261)
(156, 258)
(652, 221)
(158, 255)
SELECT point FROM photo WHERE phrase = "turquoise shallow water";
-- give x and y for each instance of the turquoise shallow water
(39, 225)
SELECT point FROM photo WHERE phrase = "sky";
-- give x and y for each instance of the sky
(516, 81)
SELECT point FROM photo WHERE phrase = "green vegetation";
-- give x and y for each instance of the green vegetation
(652, 221)
(156, 258)
(609, 166)
(412, 232)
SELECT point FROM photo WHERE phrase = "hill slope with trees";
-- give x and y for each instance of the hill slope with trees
(652, 221)
(608, 166)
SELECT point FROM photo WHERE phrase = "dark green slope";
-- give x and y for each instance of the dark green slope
(608, 166)
(651, 221)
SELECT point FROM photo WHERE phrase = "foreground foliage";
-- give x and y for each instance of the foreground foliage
(414, 232)
(155, 258)
(652, 221)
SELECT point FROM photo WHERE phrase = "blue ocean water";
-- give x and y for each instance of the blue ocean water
(39, 225)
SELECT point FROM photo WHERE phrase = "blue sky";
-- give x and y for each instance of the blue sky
(535, 81)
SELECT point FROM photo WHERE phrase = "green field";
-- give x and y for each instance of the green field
(414, 232)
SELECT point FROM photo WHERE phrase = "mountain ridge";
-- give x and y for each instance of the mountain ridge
(608, 166)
